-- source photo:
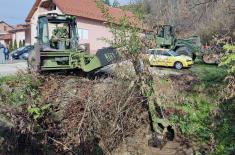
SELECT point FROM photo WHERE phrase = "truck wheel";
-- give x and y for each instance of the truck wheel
(185, 51)
(178, 65)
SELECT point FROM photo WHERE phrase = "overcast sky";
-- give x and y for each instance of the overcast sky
(15, 11)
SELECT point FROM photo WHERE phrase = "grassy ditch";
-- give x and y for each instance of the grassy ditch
(204, 115)
(19, 89)
(72, 114)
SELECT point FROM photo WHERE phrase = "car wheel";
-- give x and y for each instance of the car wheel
(178, 65)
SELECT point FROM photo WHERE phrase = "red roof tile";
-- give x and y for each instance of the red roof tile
(19, 27)
(87, 9)
(6, 37)
(82, 8)
(32, 11)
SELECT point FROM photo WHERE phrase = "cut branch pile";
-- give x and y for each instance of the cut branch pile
(86, 116)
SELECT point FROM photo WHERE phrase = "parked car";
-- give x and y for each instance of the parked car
(22, 53)
(25, 56)
(1, 45)
(168, 58)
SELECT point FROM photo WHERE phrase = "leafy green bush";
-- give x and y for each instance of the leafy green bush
(17, 90)
(38, 112)
(229, 59)
(196, 119)
(224, 131)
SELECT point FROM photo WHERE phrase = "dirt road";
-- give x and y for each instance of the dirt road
(127, 65)
(12, 68)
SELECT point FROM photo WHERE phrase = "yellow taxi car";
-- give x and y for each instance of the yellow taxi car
(168, 58)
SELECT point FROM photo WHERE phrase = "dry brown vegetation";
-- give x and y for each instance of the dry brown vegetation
(86, 116)
(101, 116)
(201, 17)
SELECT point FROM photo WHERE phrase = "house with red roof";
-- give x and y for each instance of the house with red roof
(90, 20)
(19, 34)
(5, 37)
(10, 33)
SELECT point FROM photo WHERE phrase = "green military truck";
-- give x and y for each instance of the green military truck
(165, 38)
(57, 47)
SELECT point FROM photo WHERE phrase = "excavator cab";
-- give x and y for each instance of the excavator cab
(57, 32)
(57, 47)
(165, 36)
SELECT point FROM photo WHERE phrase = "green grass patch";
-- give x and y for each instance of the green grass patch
(7, 78)
(225, 128)
(18, 89)
(206, 118)
(209, 73)
(196, 118)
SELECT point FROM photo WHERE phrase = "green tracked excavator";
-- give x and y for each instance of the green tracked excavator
(165, 38)
(57, 47)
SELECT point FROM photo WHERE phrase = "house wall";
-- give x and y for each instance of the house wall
(4, 28)
(28, 36)
(33, 24)
(18, 36)
(96, 32)
(33, 27)
(2, 42)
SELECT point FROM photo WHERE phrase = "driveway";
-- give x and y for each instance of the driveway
(12, 68)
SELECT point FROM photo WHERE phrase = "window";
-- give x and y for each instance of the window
(173, 53)
(166, 54)
(43, 31)
(161, 33)
(158, 52)
(83, 33)
(52, 7)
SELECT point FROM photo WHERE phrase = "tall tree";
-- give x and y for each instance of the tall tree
(11, 46)
(107, 2)
(23, 42)
(115, 4)
(20, 44)
(131, 46)
(15, 45)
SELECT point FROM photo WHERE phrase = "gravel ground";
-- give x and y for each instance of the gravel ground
(10, 68)
(161, 71)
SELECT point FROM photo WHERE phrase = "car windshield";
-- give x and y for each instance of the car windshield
(173, 53)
